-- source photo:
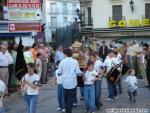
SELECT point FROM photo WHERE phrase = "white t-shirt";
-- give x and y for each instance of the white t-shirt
(59, 78)
(108, 63)
(132, 81)
(31, 78)
(97, 65)
(89, 76)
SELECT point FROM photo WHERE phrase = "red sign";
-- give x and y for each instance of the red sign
(36, 4)
(13, 27)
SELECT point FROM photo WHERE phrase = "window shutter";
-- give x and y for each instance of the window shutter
(117, 12)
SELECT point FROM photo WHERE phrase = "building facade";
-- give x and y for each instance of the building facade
(121, 20)
(58, 13)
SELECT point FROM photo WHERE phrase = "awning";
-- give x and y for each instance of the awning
(24, 34)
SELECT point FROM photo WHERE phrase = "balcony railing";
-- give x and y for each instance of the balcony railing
(145, 16)
(117, 18)
(87, 22)
(53, 12)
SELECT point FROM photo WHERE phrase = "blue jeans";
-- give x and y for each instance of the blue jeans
(112, 90)
(98, 92)
(2, 110)
(119, 84)
(82, 91)
(60, 94)
(89, 97)
(69, 97)
(31, 101)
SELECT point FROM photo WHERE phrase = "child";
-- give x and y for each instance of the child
(60, 92)
(132, 85)
(31, 82)
(38, 64)
(89, 89)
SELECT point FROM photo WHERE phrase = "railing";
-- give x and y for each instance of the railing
(53, 12)
(117, 18)
(87, 22)
(145, 16)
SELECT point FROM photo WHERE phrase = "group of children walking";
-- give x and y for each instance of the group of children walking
(92, 78)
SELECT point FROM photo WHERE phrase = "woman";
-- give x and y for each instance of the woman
(30, 85)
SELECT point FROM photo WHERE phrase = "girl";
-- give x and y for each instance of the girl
(132, 85)
(30, 83)
(89, 89)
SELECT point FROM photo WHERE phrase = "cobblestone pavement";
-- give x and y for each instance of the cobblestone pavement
(47, 102)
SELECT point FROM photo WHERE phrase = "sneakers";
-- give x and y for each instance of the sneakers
(74, 104)
(63, 110)
(58, 109)
(109, 99)
(115, 97)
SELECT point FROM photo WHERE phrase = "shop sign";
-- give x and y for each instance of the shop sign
(130, 23)
(35, 4)
(24, 15)
(31, 27)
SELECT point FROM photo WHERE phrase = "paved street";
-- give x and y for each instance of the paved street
(48, 101)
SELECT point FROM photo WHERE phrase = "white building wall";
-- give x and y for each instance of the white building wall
(102, 10)
(60, 22)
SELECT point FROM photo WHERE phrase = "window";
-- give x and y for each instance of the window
(64, 8)
(53, 21)
(147, 10)
(53, 8)
(117, 12)
(74, 8)
(65, 19)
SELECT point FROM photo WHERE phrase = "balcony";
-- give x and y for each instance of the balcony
(65, 11)
(117, 18)
(87, 22)
(53, 12)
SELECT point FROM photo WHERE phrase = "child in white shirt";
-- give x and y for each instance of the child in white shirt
(2, 91)
(89, 89)
(132, 85)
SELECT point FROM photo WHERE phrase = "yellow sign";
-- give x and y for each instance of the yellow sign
(131, 23)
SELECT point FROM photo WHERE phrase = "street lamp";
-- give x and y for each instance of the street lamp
(132, 5)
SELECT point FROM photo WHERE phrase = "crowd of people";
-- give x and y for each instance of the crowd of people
(100, 63)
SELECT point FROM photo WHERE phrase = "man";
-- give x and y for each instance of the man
(68, 69)
(44, 58)
(4, 73)
(10, 66)
(59, 55)
(103, 50)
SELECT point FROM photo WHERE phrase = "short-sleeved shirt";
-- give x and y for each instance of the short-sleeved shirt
(31, 79)
(89, 76)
